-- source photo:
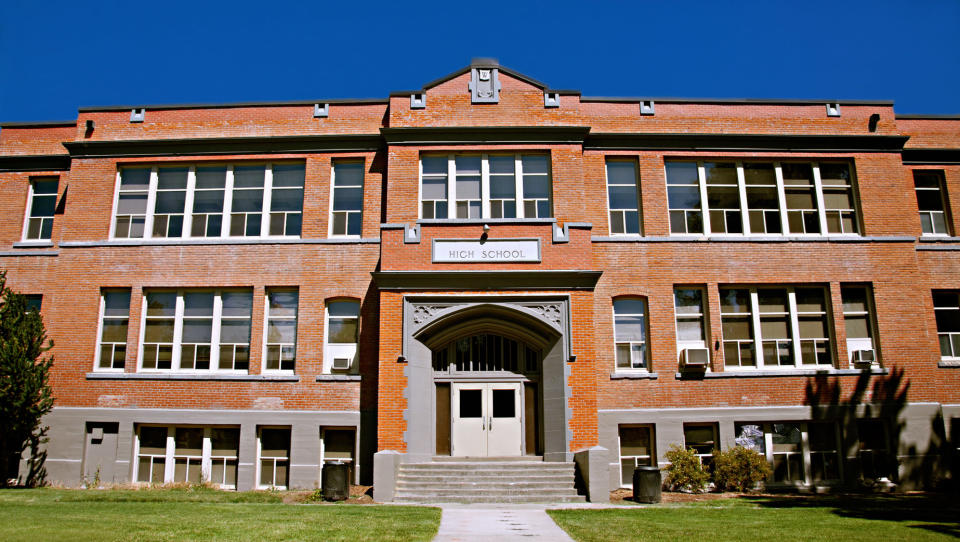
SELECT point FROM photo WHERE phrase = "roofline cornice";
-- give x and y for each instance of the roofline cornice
(225, 145)
(745, 142)
(471, 135)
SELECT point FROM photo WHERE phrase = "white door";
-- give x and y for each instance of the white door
(486, 419)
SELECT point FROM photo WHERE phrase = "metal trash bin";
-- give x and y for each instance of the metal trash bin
(646, 484)
(335, 478)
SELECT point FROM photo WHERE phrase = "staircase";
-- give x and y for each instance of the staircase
(486, 480)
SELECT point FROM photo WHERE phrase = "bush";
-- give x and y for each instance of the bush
(685, 471)
(739, 469)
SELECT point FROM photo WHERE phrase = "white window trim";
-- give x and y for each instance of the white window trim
(948, 333)
(266, 329)
(684, 344)
(484, 184)
(781, 193)
(206, 457)
(337, 350)
(941, 190)
(716, 437)
(275, 459)
(854, 344)
(805, 453)
(638, 209)
(175, 358)
(652, 429)
(188, 214)
(29, 209)
(793, 321)
(646, 343)
(96, 356)
(333, 189)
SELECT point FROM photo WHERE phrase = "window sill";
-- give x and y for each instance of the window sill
(949, 363)
(45, 243)
(338, 378)
(461, 221)
(754, 239)
(193, 376)
(220, 241)
(788, 372)
(634, 376)
(932, 239)
(22, 252)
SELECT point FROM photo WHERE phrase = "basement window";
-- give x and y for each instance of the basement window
(636, 449)
(170, 454)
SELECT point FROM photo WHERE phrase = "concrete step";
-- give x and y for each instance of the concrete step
(492, 480)
(505, 499)
(487, 484)
(497, 468)
(492, 459)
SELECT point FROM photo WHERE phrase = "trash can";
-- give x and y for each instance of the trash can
(335, 478)
(646, 484)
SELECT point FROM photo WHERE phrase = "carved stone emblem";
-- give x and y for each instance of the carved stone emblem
(552, 312)
(422, 313)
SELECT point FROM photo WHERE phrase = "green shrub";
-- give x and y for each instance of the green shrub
(739, 469)
(685, 471)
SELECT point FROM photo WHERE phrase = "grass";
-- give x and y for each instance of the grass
(199, 514)
(816, 518)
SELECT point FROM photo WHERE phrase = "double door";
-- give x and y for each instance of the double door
(486, 419)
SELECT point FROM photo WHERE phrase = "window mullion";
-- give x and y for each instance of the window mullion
(177, 333)
(227, 203)
(267, 198)
(484, 187)
(805, 443)
(782, 197)
(518, 179)
(205, 461)
(704, 208)
(168, 464)
(188, 203)
(757, 335)
(794, 326)
(821, 211)
(151, 204)
(215, 331)
(744, 208)
(451, 186)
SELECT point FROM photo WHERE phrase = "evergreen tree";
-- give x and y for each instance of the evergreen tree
(25, 394)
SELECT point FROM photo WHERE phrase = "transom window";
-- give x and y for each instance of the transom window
(946, 307)
(623, 197)
(761, 198)
(630, 332)
(931, 202)
(774, 327)
(485, 186)
(486, 352)
(181, 201)
(41, 205)
(196, 330)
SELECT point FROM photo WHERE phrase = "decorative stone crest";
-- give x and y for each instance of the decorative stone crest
(422, 313)
(552, 312)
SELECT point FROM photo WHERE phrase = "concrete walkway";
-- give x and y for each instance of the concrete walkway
(501, 522)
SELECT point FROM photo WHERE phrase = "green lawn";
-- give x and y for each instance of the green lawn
(199, 514)
(831, 519)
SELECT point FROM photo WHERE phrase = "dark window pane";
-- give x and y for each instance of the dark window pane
(503, 403)
(288, 175)
(471, 403)
(286, 200)
(172, 178)
(248, 176)
(211, 176)
(348, 173)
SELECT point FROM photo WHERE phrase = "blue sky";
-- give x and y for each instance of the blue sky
(56, 56)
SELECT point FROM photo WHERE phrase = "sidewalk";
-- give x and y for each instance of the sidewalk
(466, 523)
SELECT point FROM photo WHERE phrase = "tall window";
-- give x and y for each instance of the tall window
(347, 205)
(931, 201)
(41, 204)
(273, 457)
(630, 332)
(281, 330)
(801, 453)
(636, 450)
(114, 319)
(774, 327)
(180, 201)
(622, 196)
(858, 318)
(342, 335)
(485, 186)
(690, 312)
(196, 330)
(946, 307)
(761, 198)
(187, 455)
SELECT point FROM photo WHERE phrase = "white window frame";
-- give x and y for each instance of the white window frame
(178, 319)
(805, 452)
(31, 194)
(340, 350)
(206, 458)
(784, 219)
(333, 194)
(860, 343)
(258, 468)
(266, 330)
(793, 325)
(651, 457)
(191, 190)
(941, 190)
(100, 322)
(951, 335)
(623, 212)
(714, 427)
(644, 344)
(701, 317)
(485, 185)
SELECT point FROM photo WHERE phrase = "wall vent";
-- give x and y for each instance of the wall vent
(321, 111)
(137, 115)
(418, 100)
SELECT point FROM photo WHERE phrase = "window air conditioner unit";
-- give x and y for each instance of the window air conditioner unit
(695, 359)
(864, 358)
(342, 364)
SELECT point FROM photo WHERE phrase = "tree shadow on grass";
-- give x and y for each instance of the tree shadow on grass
(935, 512)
